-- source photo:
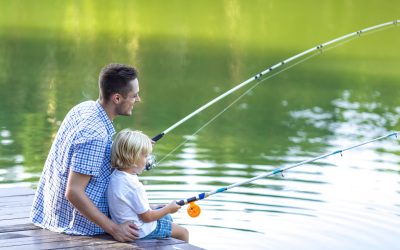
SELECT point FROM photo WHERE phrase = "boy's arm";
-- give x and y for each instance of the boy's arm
(153, 215)
(75, 193)
(156, 206)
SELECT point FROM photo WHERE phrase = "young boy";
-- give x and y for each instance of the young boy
(127, 197)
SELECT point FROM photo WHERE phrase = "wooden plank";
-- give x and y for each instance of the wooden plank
(19, 213)
(15, 221)
(165, 243)
(116, 245)
(44, 239)
(19, 191)
(15, 208)
(184, 246)
(15, 204)
(17, 232)
(26, 199)
(160, 243)
(146, 243)
(20, 227)
(7, 204)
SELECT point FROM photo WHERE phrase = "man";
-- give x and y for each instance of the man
(70, 197)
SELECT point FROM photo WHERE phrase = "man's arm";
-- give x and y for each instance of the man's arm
(75, 193)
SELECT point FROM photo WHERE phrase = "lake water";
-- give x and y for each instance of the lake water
(189, 52)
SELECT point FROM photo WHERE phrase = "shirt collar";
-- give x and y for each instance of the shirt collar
(105, 119)
(133, 177)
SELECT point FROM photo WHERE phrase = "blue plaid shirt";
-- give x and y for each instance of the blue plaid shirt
(82, 144)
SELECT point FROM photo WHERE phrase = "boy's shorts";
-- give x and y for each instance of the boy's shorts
(163, 229)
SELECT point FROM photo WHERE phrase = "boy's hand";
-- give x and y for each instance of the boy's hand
(173, 207)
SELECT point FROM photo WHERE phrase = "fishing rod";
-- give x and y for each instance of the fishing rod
(194, 210)
(268, 70)
(151, 160)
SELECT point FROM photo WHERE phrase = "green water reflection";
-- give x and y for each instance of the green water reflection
(188, 53)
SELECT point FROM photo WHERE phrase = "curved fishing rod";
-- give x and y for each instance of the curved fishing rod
(261, 74)
(194, 210)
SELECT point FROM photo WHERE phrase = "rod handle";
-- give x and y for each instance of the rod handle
(158, 137)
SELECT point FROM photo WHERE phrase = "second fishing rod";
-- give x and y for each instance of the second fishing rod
(194, 210)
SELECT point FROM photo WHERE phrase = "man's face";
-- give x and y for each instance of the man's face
(126, 105)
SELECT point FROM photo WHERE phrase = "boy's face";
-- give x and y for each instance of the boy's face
(141, 163)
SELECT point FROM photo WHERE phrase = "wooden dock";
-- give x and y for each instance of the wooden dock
(17, 232)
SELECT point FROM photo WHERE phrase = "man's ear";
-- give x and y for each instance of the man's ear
(116, 98)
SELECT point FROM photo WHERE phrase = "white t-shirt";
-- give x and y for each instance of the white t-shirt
(127, 199)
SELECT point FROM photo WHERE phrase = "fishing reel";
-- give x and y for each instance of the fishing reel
(150, 162)
(193, 210)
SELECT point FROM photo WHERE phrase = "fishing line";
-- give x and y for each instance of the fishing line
(320, 47)
(231, 104)
(194, 210)
(258, 83)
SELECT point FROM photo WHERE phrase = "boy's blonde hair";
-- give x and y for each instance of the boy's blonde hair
(128, 147)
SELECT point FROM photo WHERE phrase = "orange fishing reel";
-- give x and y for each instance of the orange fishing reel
(193, 210)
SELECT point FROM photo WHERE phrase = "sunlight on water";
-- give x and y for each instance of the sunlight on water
(351, 196)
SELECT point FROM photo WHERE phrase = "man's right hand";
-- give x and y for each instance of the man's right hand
(126, 232)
